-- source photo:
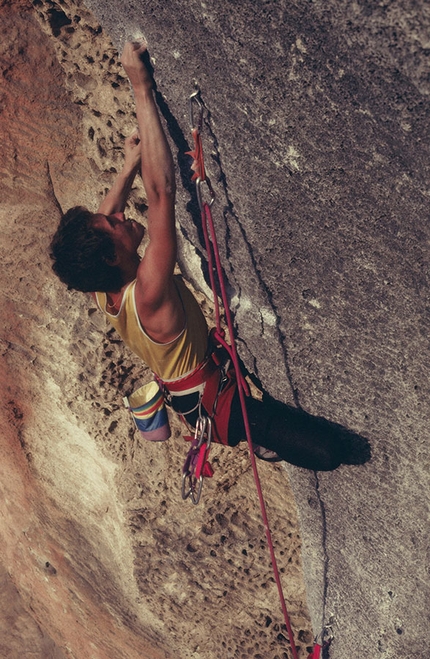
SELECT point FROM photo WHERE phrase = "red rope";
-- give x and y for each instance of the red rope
(212, 245)
(199, 176)
(213, 254)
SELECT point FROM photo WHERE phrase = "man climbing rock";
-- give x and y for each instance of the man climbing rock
(155, 313)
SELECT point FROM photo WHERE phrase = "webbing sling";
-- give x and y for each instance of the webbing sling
(200, 178)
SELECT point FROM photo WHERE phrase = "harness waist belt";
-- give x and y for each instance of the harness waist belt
(201, 374)
(216, 382)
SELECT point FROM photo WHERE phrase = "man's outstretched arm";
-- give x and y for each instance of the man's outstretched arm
(158, 174)
(116, 198)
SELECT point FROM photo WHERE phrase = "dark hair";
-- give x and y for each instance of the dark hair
(81, 254)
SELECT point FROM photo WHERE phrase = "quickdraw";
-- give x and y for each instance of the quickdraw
(322, 644)
(196, 464)
(197, 110)
(320, 651)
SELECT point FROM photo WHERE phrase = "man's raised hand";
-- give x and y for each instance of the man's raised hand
(134, 66)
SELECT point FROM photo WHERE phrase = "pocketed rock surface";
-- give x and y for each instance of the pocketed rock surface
(100, 557)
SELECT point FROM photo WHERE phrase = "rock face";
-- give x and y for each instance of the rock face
(100, 558)
(317, 144)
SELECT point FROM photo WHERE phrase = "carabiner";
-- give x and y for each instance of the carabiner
(199, 183)
(194, 488)
(196, 460)
(326, 636)
(196, 100)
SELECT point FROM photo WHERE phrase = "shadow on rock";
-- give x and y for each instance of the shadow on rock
(311, 442)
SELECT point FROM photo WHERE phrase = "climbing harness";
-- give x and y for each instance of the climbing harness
(210, 387)
(197, 110)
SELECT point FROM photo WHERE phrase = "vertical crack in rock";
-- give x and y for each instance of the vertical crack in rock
(180, 141)
(324, 550)
(52, 188)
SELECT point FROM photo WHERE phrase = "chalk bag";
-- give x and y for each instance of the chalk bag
(149, 413)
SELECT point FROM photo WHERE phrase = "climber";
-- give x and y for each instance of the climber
(156, 314)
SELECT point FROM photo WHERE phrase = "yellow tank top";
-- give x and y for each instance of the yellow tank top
(167, 360)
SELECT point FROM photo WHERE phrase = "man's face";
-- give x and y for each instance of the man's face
(126, 234)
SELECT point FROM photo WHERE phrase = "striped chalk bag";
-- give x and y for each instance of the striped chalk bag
(149, 413)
